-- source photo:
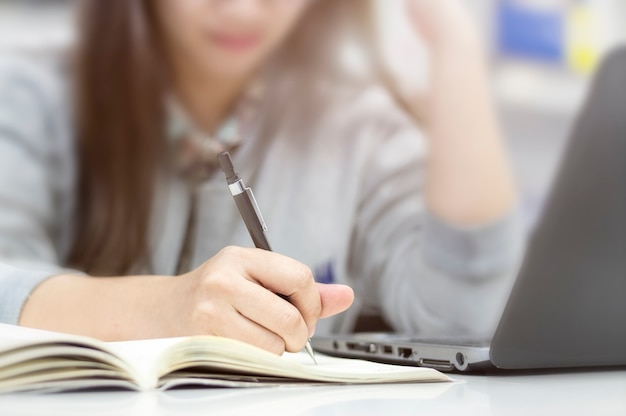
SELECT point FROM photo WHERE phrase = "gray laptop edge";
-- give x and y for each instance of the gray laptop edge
(567, 308)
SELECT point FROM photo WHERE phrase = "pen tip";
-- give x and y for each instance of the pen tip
(226, 164)
(309, 350)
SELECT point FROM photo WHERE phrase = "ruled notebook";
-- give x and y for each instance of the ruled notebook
(32, 359)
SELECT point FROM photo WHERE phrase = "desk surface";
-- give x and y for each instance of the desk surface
(573, 393)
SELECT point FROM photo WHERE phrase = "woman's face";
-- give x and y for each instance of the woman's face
(225, 38)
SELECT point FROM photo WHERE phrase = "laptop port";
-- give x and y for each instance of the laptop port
(405, 352)
(387, 349)
(443, 365)
(460, 359)
(362, 346)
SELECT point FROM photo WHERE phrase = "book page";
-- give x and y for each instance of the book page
(352, 370)
(215, 361)
(220, 357)
(13, 337)
(32, 358)
(148, 357)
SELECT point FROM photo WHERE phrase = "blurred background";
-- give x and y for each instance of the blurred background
(543, 55)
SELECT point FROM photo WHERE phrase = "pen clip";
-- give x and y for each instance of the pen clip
(256, 208)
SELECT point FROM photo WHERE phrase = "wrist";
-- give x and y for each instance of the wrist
(107, 308)
(138, 307)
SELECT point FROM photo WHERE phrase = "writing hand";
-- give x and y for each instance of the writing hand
(234, 295)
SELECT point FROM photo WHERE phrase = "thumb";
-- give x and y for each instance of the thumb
(335, 298)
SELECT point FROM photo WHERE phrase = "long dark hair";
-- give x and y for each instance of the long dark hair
(120, 116)
(119, 91)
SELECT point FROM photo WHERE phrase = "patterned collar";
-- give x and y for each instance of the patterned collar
(196, 151)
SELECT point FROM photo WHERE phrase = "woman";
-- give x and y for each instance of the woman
(109, 170)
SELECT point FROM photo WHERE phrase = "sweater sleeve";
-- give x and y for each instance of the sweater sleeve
(424, 275)
(30, 176)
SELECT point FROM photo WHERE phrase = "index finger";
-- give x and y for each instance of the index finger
(286, 277)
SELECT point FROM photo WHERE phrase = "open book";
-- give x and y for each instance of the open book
(31, 359)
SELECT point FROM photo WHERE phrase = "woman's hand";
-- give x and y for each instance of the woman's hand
(233, 295)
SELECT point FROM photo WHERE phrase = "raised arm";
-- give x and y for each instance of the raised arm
(469, 180)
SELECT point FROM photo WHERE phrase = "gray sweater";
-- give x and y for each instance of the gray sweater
(348, 203)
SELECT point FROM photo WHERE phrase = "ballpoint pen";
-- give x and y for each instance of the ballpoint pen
(251, 215)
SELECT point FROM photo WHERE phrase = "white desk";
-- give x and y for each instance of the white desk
(597, 393)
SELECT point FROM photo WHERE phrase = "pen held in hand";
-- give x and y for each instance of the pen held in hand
(251, 215)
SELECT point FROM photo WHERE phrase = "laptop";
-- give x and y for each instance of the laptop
(567, 308)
